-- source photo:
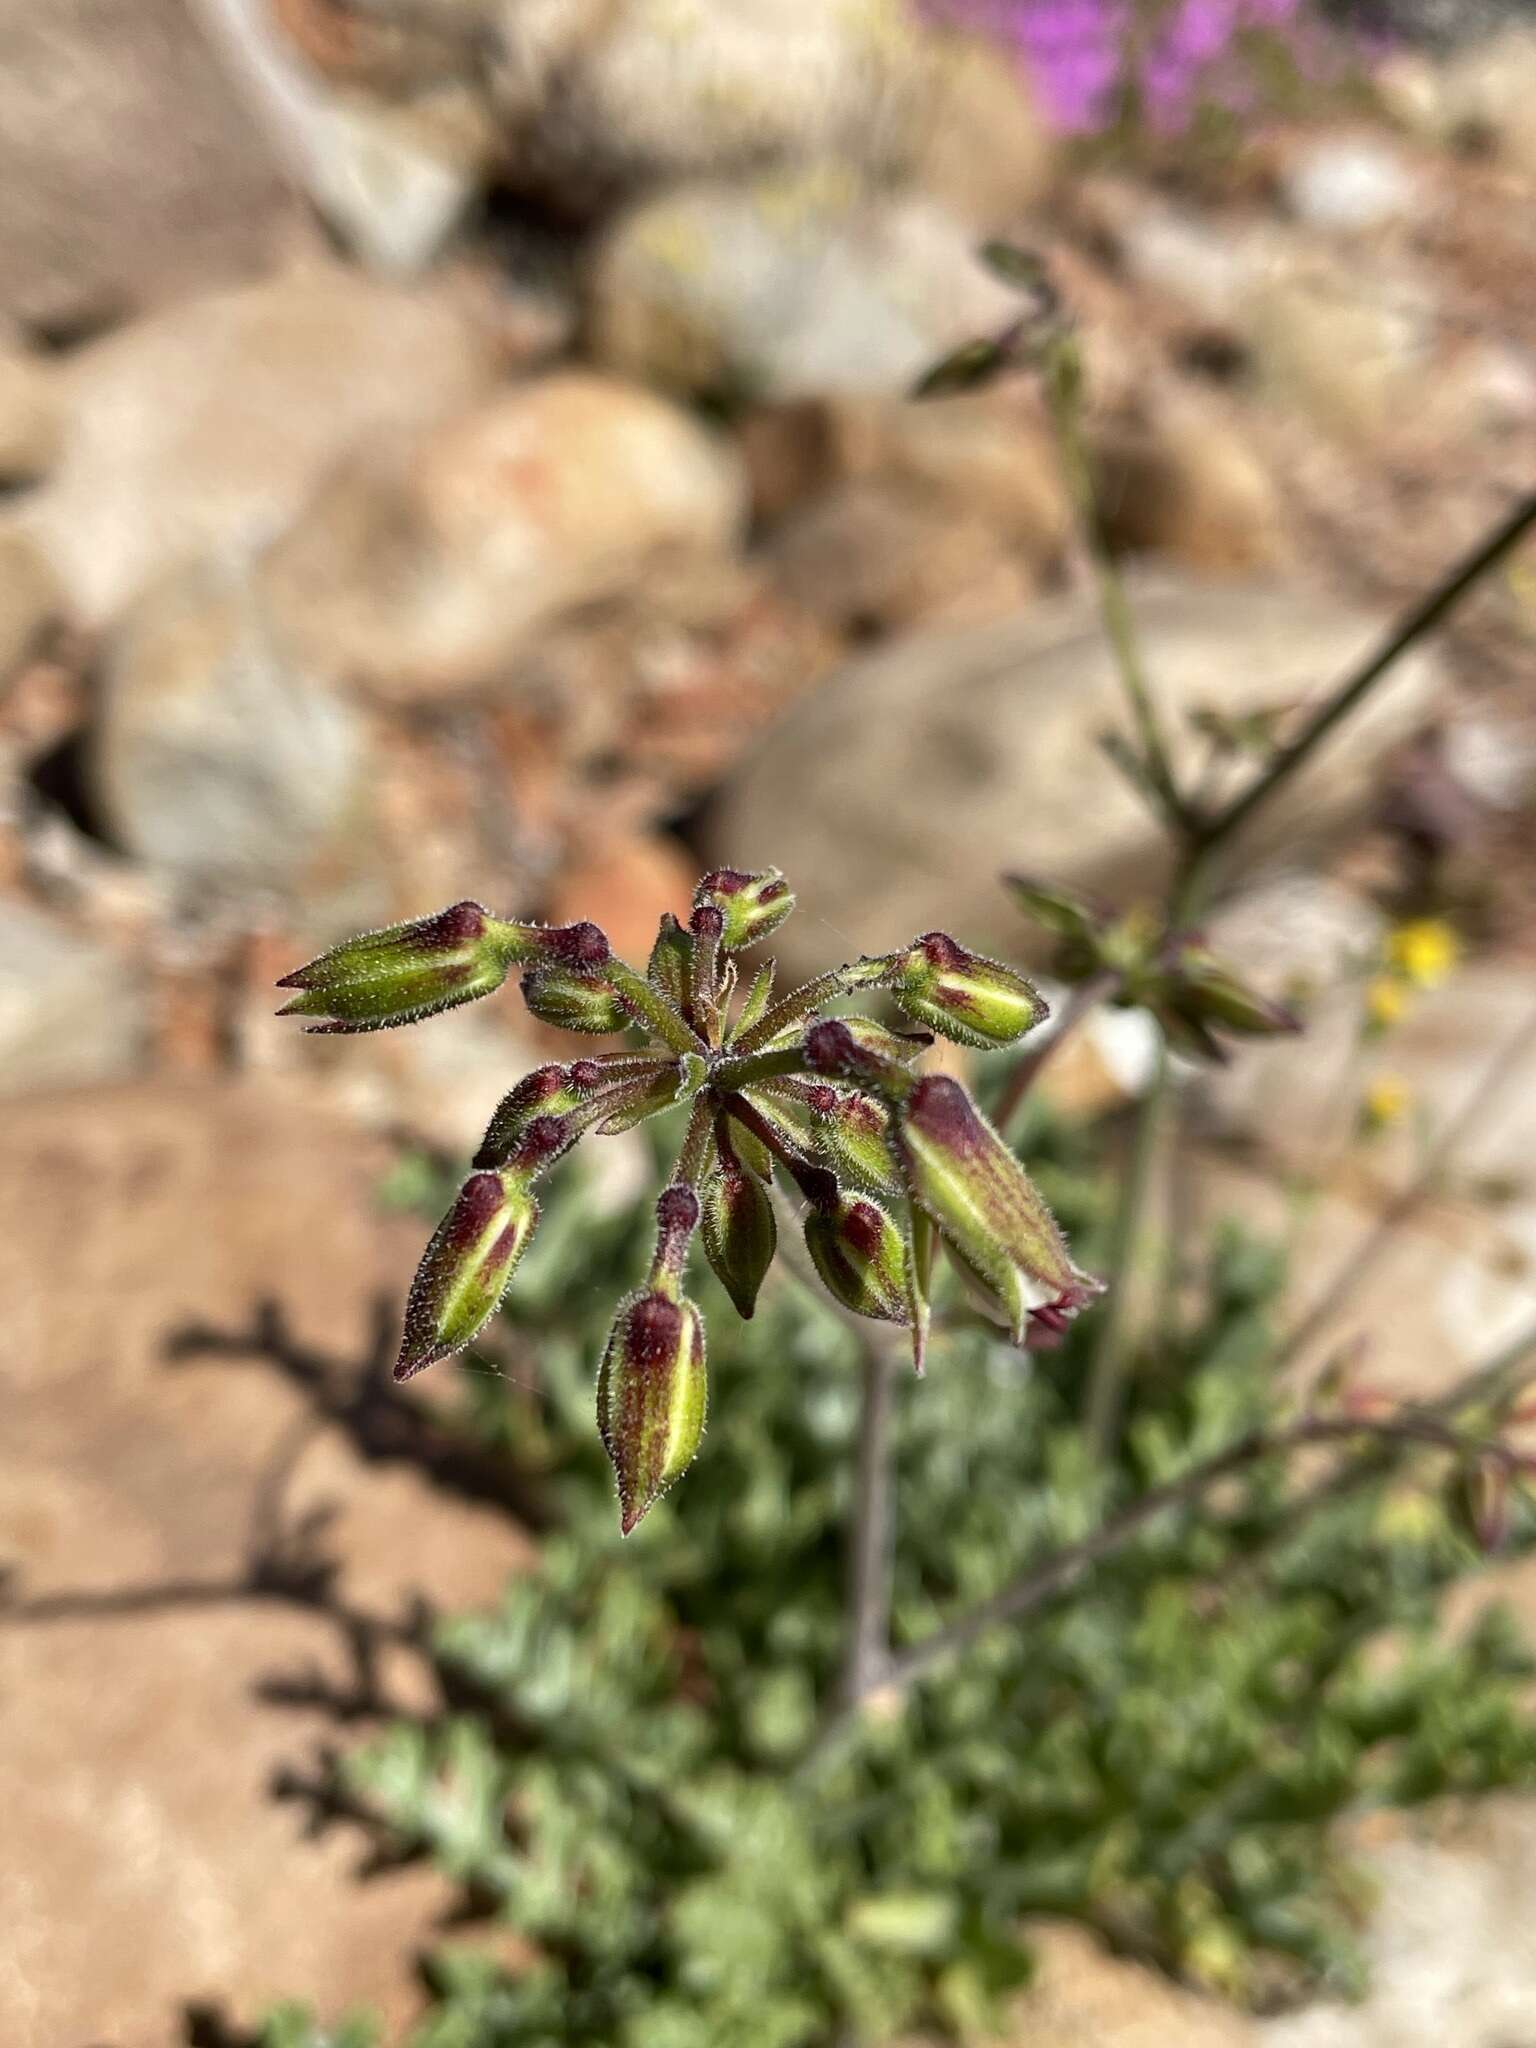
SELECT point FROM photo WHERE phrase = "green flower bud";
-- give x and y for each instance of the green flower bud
(408, 971)
(651, 1397)
(465, 1269)
(752, 1152)
(545, 1092)
(963, 996)
(751, 906)
(987, 1210)
(740, 1234)
(574, 1002)
(1208, 990)
(670, 970)
(882, 1043)
(861, 1257)
(853, 1137)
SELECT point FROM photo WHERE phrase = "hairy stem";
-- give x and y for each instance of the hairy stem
(650, 1008)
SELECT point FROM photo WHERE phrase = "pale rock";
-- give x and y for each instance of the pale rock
(1486, 92)
(31, 426)
(71, 1011)
(1181, 477)
(210, 423)
(31, 598)
(597, 99)
(421, 568)
(895, 795)
(1349, 185)
(216, 756)
(983, 149)
(1353, 351)
(871, 558)
(794, 286)
(393, 182)
(132, 168)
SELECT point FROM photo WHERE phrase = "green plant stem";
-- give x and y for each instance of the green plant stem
(653, 1010)
(750, 1068)
(1112, 1358)
(1063, 392)
(871, 1535)
(1355, 687)
(800, 1002)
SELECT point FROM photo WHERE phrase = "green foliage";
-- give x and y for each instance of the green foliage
(629, 1776)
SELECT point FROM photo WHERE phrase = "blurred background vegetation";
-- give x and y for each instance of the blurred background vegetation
(465, 447)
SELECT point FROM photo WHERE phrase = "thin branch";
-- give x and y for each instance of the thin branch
(1413, 627)
(1336, 1296)
(871, 1538)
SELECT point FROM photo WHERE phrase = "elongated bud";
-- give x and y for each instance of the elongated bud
(677, 1218)
(465, 1269)
(832, 1049)
(707, 927)
(546, 1091)
(876, 1038)
(652, 1393)
(740, 1234)
(752, 1153)
(670, 969)
(751, 905)
(964, 996)
(986, 1208)
(408, 971)
(853, 1138)
(1209, 991)
(574, 1002)
(645, 1096)
(861, 1257)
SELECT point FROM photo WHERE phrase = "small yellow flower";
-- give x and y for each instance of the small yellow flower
(1386, 1102)
(1424, 951)
(1385, 1002)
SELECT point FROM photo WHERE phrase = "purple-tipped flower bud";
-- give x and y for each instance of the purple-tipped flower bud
(861, 1257)
(853, 1138)
(883, 1043)
(751, 906)
(545, 1092)
(465, 1269)
(832, 1049)
(740, 1234)
(964, 996)
(408, 971)
(987, 1210)
(651, 1397)
(574, 1002)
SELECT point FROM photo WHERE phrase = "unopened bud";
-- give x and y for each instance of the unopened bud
(963, 995)
(987, 1210)
(574, 1002)
(751, 905)
(670, 970)
(876, 1038)
(853, 1138)
(465, 1269)
(408, 971)
(861, 1257)
(832, 1049)
(1208, 989)
(651, 1397)
(740, 1234)
(546, 1091)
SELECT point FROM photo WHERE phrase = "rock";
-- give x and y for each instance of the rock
(984, 151)
(392, 181)
(1085, 1997)
(272, 383)
(792, 287)
(624, 881)
(895, 795)
(30, 597)
(1349, 185)
(30, 423)
(1353, 355)
(217, 756)
(1182, 478)
(1486, 96)
(598, 100)
(138, 1460)
(87, 89)
(71, 1011)
(420, 569)
(871, 558)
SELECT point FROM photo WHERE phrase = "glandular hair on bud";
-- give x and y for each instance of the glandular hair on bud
(740, 1234)
(652, 1393)
(574, 1002)
(861, 1257)
(547, 1089)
